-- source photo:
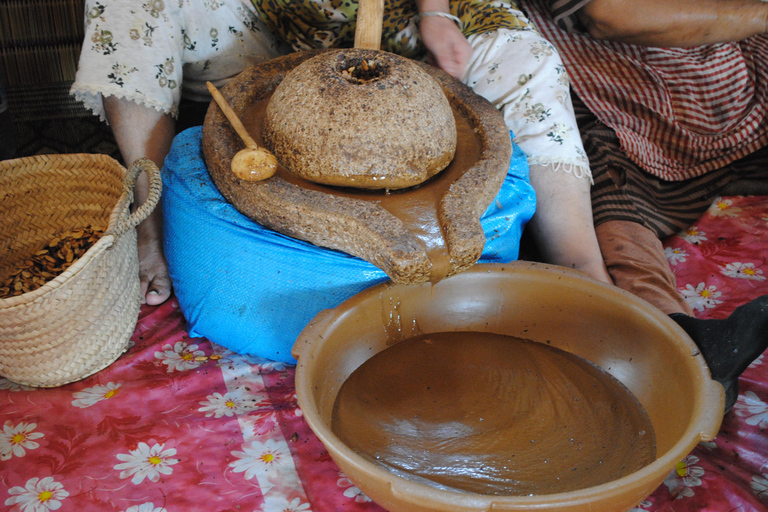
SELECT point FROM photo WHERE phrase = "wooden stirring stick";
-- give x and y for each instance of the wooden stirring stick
(370, 16)
(253, 163)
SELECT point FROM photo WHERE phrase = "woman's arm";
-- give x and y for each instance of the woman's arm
(443, 38)
(674, 23)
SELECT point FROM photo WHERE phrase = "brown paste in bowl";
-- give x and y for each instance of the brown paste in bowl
(492, 414)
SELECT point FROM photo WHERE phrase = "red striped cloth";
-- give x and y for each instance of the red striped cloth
(678, 112)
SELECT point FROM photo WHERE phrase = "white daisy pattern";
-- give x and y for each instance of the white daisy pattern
(351, 490)
(757, 362)
(642, 506)
(743, 271)
(13, 386)
(759, 485)
(683, 477)
(675, 256)
(37, 495)
(94, 395)
(693, 236)
(702, 296)
(260, 458)
(146, 462)
(752, 408)
(267, 366)
(229, 404)
(145, 507)
(15, 440)
(724, 208)
(180, 356)
(281, 504)
(298, 412)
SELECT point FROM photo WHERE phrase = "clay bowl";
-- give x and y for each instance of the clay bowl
(630, 339)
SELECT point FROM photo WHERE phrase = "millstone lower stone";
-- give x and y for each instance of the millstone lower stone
(330, 217)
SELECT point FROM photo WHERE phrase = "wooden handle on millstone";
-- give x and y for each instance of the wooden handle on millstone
(370, 17)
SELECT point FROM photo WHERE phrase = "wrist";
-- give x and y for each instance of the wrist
(439, 14)
(433, 5)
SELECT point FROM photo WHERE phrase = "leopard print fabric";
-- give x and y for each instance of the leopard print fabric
(312, 24)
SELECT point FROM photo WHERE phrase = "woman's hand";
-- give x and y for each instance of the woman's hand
(447, 46)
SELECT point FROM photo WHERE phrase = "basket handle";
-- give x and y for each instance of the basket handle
(155, 188)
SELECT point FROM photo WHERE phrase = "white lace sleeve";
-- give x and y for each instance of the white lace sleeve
(522, 75)
(148, 52)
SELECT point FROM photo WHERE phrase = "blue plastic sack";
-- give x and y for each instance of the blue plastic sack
(251, 289)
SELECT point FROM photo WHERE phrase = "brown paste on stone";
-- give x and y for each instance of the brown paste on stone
(492, 414)
(416, 207)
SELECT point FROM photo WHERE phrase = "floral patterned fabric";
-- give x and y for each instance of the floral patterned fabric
(311, 24)
(178, 424)
(148, 53)
(512, 66)
(522, 75)
(141, 50)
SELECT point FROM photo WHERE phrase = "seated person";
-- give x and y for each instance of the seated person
(672, 104)
(136, 62)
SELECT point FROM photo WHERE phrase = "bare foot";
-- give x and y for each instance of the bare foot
(153, 273)
(142, 131)
(153, 268)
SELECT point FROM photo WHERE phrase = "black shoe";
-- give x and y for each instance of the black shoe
(731, 393)
(730, 345)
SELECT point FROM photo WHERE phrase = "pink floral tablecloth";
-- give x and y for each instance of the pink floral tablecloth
(178, 424)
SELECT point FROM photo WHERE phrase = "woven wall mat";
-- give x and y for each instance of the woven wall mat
(65, 136)
(47, 120)
(44, 101)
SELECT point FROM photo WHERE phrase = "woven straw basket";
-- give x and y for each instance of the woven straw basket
(81, 321)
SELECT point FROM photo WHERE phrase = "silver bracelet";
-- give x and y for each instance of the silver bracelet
(421, 15)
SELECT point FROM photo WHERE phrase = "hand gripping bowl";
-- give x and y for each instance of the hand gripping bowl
(628, 338)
